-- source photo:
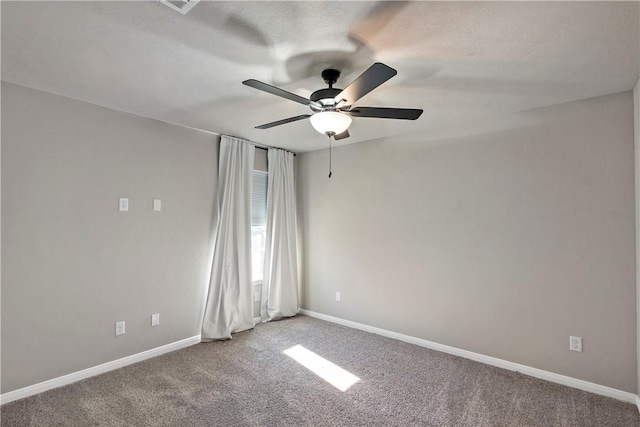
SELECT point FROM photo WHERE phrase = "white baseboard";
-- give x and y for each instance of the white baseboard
(95, 370)
(500, 363)
(638, 402)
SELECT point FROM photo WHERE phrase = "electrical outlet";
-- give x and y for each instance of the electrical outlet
(256, 297)
(575, 344)
(155, 319)
(338, 296)
(120, 328)
(123, 204)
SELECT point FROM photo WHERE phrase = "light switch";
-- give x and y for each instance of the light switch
(123, 204)
(157, 204)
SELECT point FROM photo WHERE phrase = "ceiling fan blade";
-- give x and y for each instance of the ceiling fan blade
(283, 121)
(276, 91)
(385, 113)
(342, 135)
(373, 77)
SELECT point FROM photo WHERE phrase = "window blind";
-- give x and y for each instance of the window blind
(259, 198)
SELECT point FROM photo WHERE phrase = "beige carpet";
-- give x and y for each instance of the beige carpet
(249, 381)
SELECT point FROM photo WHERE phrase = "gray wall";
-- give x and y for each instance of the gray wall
(72, 265)
(636, 127)
(503, 243)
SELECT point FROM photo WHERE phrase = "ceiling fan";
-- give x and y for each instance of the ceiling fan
(333, 108)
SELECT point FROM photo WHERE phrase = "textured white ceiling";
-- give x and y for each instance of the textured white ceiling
(459, 61)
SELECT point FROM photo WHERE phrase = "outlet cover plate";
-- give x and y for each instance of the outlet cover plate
(575, 344)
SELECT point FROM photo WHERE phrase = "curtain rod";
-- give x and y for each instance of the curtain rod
(260, 146)
(266, 148)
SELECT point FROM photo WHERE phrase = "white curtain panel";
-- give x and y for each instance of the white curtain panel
(280, 281)
(229, 307)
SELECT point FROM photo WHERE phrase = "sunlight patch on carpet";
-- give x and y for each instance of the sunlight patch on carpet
(330, 372)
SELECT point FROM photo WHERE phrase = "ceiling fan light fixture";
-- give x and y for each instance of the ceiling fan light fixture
(330, 122)
(334, 107)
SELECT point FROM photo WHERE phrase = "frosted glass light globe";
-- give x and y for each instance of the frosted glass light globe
(330, 122)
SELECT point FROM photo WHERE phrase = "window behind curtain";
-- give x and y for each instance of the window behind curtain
(258, 224)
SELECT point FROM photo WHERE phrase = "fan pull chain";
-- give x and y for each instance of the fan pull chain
(329, 156)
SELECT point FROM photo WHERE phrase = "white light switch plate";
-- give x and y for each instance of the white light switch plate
(338, 296)
(155, 319)
(120, 328)
(157, 204)
(123, 204)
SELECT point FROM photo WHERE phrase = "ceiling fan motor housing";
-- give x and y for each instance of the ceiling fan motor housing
(324, 97)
